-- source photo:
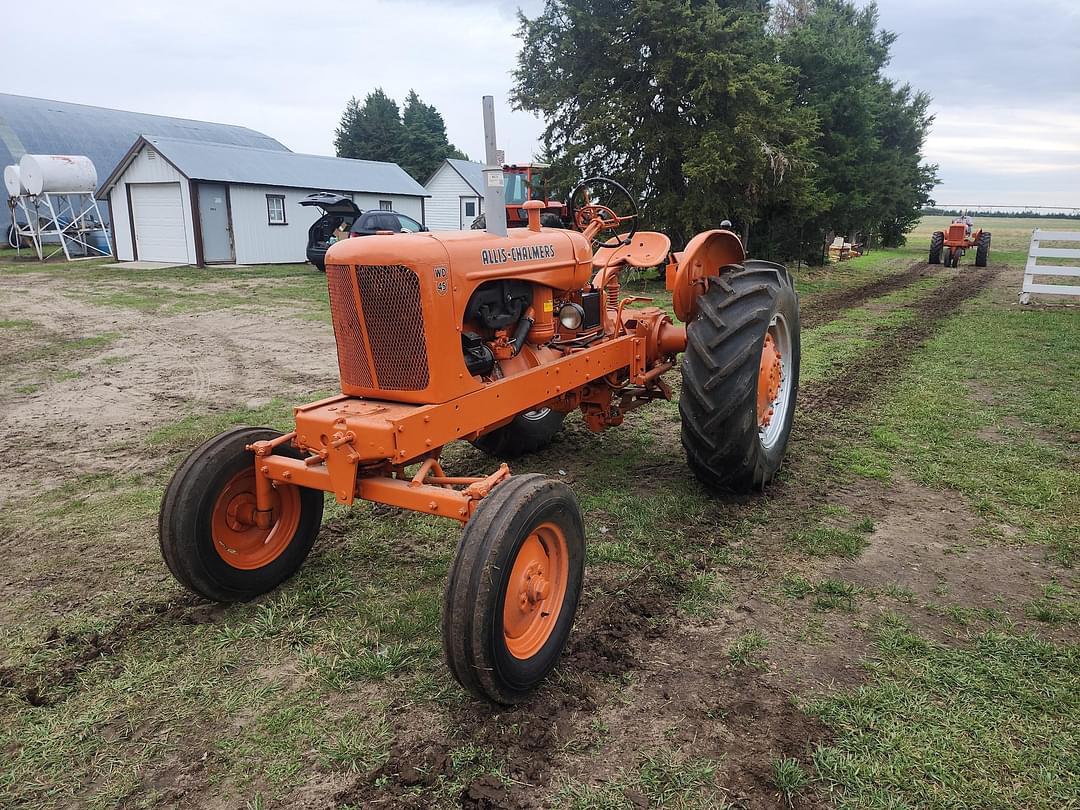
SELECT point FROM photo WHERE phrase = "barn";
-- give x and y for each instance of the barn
(41, 126)
(176, 200)
(457, 195)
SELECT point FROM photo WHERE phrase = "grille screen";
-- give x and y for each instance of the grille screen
(394, 318)
(351, 347)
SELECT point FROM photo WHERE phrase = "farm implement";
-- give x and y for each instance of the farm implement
(946, 247)
(494, 339)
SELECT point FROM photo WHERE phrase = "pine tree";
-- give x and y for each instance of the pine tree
(682, 101)
(372, 131)
(425, 144)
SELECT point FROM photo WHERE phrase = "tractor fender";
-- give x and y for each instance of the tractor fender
(704, 257)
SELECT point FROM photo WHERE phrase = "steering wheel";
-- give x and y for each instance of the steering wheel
(590, 212)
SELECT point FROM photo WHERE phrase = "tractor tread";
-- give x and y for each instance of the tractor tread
(720, 370)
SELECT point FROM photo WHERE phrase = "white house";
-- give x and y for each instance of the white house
(175, 200)
(457, 195)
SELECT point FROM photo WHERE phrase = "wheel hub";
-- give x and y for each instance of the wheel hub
(535, 591)
(770, 377)
(237, 537)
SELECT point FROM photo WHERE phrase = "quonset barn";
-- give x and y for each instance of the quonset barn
(44, 127)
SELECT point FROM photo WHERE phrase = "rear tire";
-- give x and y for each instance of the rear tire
(727, 446)
(204, 541)
(982, 250)
(936, 242)
(513, 588)
(527, 433)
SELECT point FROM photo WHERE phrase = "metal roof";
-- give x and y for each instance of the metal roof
(471, 173)
(226, 163)
(44, 127)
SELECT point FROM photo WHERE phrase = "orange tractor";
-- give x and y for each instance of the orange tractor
(525, 182)
(494, 339)
(946, 247)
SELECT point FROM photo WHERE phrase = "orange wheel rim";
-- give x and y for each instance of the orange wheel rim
(535, 591)
(237, 537)
(770, 375)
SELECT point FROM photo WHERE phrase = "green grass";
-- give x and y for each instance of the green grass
(320, 680)
(995, 724)
(994, 427)
(659, 780)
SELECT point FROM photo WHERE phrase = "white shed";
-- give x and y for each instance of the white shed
(175, 200)
(456, 192)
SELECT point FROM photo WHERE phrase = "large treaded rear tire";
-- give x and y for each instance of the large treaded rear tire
(982, 250)
(527, 433)
(936, 241)
(720, 368)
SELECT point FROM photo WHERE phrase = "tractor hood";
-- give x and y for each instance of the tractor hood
(403, 296)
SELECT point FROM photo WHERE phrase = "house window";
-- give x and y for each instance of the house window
(275, 209)
(470, 208)
(386, 205)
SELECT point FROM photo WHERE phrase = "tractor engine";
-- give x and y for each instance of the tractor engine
(425, 318)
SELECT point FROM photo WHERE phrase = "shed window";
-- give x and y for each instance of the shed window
(386, 205)
(275, 209)
(470, 208)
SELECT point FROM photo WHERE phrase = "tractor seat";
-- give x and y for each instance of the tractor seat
(647, 249)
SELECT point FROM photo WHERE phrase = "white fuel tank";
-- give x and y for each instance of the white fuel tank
(13, 181)
(58, 174)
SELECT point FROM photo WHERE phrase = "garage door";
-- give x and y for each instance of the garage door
(158, 213)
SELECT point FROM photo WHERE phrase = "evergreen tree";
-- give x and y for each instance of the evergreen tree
(372, 131)
(682, 101)
(868, 150)
(425, 144)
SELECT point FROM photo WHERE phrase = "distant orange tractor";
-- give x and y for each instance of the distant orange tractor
(525, 182)
(494, 339)
(946, 247)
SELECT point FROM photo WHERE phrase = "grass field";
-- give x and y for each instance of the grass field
(894, 623)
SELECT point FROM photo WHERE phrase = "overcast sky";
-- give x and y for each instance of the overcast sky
(1006, 87)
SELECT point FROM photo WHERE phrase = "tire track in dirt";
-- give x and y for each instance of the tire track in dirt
(829, 306)
(860, 381)
(616, 630)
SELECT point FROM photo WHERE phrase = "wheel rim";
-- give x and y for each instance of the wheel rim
(238, 540)
(774, 382)
(535, 591)
(537, 415)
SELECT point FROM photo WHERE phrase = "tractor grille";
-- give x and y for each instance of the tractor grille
(392, 332)
(351, 347)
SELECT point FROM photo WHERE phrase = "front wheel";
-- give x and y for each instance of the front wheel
(207, 530)
(741, 377)
(513, 588)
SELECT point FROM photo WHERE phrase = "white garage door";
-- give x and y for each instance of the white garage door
(158, 213)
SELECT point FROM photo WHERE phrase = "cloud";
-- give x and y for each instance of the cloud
(1003, 75)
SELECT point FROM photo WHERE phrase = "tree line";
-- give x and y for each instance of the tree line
(413, 137)
(776, 116)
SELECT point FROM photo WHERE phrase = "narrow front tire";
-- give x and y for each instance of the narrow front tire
(206, 528)
(513, 588)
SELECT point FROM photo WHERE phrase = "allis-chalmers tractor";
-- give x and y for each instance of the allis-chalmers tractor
(946, 247)
(525, 182)
(493, 340)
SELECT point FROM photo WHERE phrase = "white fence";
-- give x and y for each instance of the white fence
(1035, 269)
